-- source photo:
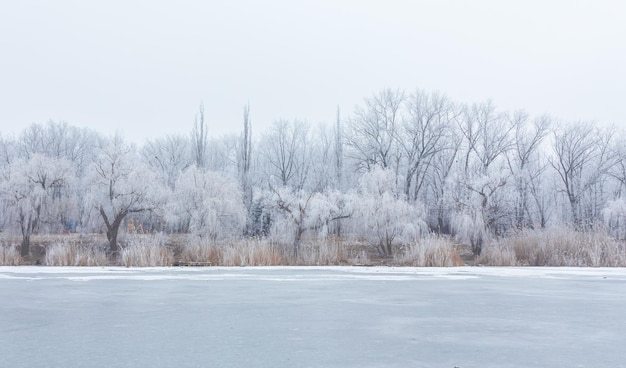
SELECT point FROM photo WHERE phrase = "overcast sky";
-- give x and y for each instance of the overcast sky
(143, 67)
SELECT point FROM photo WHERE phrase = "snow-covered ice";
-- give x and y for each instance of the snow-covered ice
(312, 317)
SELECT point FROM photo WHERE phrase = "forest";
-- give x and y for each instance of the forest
(406, 178)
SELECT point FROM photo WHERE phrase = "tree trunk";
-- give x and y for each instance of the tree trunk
(112, 238)
(113, 229)
(25, 248)
(296, 242)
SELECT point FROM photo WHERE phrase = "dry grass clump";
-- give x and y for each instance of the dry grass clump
(244, 252)
(146, 251)
(430, 251)
(253, 252)
(9, 255)
(201, 251)
(74, 254)
(497, 254)
(265, 252)
(331, 252)
(557, 247)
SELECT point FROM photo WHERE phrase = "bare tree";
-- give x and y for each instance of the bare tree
(169, 156)
(524, 164)
(373, 131)
(583, 155)
(339, 151)
(245, 156)
(199, 138)
(487, 138)
(442, 168)
(58, 140)
(286, 149)
(429, 120)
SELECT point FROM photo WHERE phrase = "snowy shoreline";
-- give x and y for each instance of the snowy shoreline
(304, 272)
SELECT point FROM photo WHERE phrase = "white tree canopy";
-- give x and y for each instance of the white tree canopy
(118, 183)
(208, 204)
(38, 191)
(381, 214)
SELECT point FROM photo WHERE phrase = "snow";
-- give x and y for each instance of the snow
(312, 317)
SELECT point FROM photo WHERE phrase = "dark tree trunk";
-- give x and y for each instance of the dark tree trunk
(25, 248)
(113, 229)
(112, 238)
(296, 242)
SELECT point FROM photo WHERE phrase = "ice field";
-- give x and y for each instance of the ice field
(312, 317)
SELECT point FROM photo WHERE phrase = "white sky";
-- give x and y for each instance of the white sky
(143, 67)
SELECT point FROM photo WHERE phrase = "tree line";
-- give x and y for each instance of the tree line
(401, 165)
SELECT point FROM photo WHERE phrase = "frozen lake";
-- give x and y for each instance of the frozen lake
(312, 317)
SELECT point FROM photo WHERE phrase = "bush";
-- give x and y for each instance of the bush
(557, 247)
(74, 254)
(9, 255)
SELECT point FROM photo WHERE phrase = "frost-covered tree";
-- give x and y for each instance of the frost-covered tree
(59, 140)
(118, 183)
(208, 204)
(482, 177)
(526, 166)
(244, 157)
(381, 214)
(285, 148)
(373, 130)
(322, 173)
(199, 138)
(424, 134)
(168, 156)
(338, 152)
(583, 156)
(36, 190)
(440, 174)
(299, 211)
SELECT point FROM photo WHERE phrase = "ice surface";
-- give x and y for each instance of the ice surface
(312, 317)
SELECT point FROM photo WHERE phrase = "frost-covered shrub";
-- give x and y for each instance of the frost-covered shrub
(74, 254)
